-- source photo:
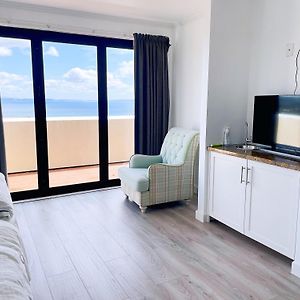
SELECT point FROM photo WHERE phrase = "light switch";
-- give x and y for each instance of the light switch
(290, 49)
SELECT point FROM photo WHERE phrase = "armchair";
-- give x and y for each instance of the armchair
(168, 177)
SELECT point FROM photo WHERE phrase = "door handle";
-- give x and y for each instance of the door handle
(247, 176)
(242, 174)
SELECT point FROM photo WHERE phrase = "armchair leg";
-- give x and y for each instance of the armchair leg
(127, 197)
(143, 208)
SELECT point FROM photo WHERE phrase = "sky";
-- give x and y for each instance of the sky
(69, 71)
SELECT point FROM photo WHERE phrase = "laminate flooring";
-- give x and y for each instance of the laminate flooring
(98, 245)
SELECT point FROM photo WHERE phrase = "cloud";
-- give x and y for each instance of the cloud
(52, 51)
(15, 86)
(75, 84)
(120, 51)
(120, 81)
(126, 69)
(118, 88)
(81, 75)
(14, 43)
(81, 84)
(7, 45)
(4, 51)
(7, 78)
(114, 82)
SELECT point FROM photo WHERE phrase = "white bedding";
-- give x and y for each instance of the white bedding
(14, 279)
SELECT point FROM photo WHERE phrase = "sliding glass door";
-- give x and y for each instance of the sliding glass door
(18, 113)
(120, 99)
(71, 92)
(68, 110)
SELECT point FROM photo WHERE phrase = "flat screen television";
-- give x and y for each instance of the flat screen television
(276, 123)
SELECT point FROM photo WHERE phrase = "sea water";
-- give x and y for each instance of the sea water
(24, 108)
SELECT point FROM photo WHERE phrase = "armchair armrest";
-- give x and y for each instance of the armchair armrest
(170, 182)
(159, 167)
(161, 172)
(144, 161)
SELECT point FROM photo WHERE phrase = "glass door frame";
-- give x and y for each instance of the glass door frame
(37, 37)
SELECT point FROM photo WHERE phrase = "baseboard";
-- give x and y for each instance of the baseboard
(202, 217)
(296, 269)
(66, 195)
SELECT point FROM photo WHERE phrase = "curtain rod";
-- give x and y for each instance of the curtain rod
(65, 29)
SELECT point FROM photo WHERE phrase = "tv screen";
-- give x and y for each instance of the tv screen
(276, 123)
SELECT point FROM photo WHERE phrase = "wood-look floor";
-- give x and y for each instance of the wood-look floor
(98, 245)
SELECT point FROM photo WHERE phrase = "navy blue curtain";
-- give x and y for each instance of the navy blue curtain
(3, 169)
(152, 97)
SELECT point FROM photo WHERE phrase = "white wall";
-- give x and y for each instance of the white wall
(228, 79)
(229, 69)
(190, 69)
(190, 79)
(275, 24)
(185, 108)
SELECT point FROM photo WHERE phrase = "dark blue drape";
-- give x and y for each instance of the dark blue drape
(152, 97)
(3, 169)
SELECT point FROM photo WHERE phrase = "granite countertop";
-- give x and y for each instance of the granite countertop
(258, 155)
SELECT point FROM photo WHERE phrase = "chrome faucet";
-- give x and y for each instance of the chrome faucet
(247, 136)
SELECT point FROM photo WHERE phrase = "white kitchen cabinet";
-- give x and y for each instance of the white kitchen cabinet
(257, 199)
(227, 190)
(272, 206)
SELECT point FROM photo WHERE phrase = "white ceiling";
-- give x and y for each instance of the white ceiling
(171, 11)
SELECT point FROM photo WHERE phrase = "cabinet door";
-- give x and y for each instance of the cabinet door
(272, 206)
(227, 190)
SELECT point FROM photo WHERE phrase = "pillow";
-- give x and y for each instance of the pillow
(6, 206)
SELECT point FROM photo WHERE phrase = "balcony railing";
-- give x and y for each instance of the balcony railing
(72, 142)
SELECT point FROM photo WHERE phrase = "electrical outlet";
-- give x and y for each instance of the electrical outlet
(290, 49)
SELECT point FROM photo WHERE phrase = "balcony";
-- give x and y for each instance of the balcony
(72, 150)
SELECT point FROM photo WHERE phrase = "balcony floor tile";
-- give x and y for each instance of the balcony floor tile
(60, 177)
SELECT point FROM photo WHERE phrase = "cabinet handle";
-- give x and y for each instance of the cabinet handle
(242, 174)
(247, 176)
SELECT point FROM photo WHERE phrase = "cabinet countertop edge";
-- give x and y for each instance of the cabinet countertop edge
(271, 159)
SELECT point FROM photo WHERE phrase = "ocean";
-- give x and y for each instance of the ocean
(23, 108)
